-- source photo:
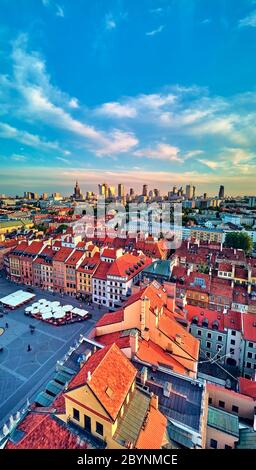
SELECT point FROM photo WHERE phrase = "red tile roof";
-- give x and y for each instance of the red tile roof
(63, 254)
(148, 437)
(125, 266)
(102, 270)
(153, 354)
(231, 319)
(249, 323)
(189, 344)
(247, 387)
(241, 273)
(110, 369)
(227, 267)
(44, 432)
(74, 258)
(111, 318)
(121, 341)
(109, 253)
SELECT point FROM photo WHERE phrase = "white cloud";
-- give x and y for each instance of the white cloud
(18, 158)
(155, 31)
(117, 110)
(110, 22)
(59, 11)
(73, 103)
(26, 138)
(248, 21)
(45, 103)
(160, 152)
(63, 160)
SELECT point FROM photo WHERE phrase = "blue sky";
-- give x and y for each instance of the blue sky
(134, 91)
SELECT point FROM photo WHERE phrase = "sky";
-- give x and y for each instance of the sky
(161, 92)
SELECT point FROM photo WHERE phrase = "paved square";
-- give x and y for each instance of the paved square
(23, 373)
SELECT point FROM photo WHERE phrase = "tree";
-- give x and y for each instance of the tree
(239, 240)
(61, 228)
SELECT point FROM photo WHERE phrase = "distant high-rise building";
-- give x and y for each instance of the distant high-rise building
(111, 191)
(44, 196)
(103, 189)
(121, 190)
(180, 191)
(145, 190)
(205, 195)
(194, 192)
(77, 191)
(221, 192)
(252, 201)
(174, 190)
(189, 191)
(132, 192)
(156, 192)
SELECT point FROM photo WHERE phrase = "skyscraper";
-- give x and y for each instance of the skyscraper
(121, 190)
(111, 191)
(77, 191)
(194, 192)
(189, 191)
(145, 190)
(221, 192)
(103, 189)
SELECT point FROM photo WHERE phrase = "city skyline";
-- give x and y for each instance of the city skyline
(124, 92)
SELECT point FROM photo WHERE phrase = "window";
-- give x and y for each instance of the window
(232, 342)
(210, 400)
(235, 408)
(199, 332)
(233, 333)
(76, 414)
(248, 365)
(250, 345)
(232, 351)
(249, 355)
(221, 404)
(99, 428)
(209, 335)
(218, 347)
(219, 338)
(213, 444)
(208, 344)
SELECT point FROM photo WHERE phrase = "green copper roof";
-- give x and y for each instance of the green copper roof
(223, 421)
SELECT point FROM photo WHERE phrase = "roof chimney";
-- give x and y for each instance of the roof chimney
(167, 389)
(144, 375)
(89, 376)
(154, 401)
(134, 342)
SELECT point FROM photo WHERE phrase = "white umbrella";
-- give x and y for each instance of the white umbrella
(59, 314)
(67, 308)
(56, 303)
(35, 305)
(42, 301)
(34, 311)
(46, 316)
(28, 309)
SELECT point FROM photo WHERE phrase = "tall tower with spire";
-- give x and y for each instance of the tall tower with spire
(77, 191)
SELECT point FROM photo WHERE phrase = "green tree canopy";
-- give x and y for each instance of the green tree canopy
(239, 240)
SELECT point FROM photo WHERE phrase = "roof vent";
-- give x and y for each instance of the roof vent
(89, 376)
